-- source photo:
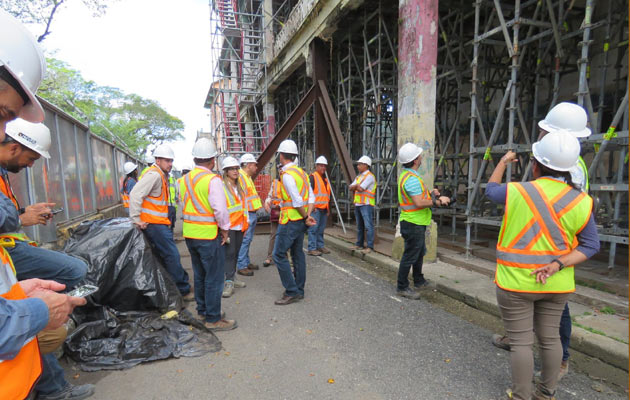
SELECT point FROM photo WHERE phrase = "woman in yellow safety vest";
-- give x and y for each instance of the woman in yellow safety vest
(237, 208)
(547, 229)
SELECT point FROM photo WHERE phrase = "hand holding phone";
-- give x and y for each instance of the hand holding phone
(83, 291)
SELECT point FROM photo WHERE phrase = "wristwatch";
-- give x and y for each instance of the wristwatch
(559, 263)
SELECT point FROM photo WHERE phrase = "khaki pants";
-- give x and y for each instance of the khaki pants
(50, 340)
(526, 313)
(272, 239)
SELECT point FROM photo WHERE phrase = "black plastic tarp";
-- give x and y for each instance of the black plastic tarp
(122, 326)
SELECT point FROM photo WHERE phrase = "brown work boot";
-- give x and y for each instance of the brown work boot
(285, 300)
(221, 325)
(324, 250)
(253, 267)
(366, 250)
(245, 272)
(202, 317)
(564, 369)
(355, 247)
(541, 393)
(501, 342)
(314, 253)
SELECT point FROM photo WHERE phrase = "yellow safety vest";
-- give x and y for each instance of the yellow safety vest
(287, 211)
(541, 222)
(199, 221)
(408, 211)
(171, 189)
(369, 194)
(253, 200)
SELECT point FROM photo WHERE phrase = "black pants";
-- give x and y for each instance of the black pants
(172, 215)
(415, 249)
(231, 253)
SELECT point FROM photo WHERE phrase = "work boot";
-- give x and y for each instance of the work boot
(190, 296)
(221, 325)
(202, 317)
(70, 392)
(228, 289)
(239, 284)
(422, 285)
(356, 247)
(408, 293)
(253, 267)
(314, 253)
(324, 250)
(366, 250)
(541, 393)
(564, 369)
(501, 342)
(245, 272)
(285, 300)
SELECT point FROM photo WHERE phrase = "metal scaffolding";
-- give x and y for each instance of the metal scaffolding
(239, 75)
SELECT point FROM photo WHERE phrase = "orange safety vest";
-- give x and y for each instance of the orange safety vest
(5, 187)
(321, 192)
(368, 194)
(253, 200)
(238, 216)
(18, 375)
(155, 209)
(123, 193)
(276, 193)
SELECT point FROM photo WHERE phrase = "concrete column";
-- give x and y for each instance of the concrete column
(417, 59)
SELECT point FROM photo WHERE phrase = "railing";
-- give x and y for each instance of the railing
(83, 175)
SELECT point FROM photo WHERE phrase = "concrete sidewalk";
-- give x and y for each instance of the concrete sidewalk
(600, 328)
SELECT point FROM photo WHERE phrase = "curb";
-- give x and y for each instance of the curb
(597, 346)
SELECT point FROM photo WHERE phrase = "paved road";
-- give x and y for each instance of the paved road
(349, 329)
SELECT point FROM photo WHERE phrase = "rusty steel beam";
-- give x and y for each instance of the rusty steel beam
(307, 101)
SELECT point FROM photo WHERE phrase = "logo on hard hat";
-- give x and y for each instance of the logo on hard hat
(28, 139)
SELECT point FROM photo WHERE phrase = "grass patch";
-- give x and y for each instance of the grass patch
(587, 313)
(598, 332)
(594, 285)
(607, 310)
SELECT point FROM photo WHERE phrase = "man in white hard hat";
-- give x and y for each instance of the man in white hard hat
(321, 190)
(29, 306)
(206, 225)
(149, 160)
(148, 209)
(364, 189)
(415, 215)
(249, 166)
(131, 178)
(295, 217)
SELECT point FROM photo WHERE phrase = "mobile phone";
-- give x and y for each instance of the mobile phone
(83, 291)
(57, 211)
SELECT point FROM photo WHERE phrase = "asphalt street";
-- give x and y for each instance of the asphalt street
(350, 338)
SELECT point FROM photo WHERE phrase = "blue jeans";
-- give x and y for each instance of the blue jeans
(243, 253)
(413, 255)
(565, 332)
(290, 236)
(36, 262)
(52, 379)
(208, 259)
(161, 238)
(316, 232)
(364, 215)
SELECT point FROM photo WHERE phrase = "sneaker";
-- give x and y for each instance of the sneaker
(541, 393)
(245, 272)
(221, 325)
(314, 253)
(324, 250)
(408, 293)
(190, 296)
(239, 284)
(366, 250)
(74, 392)
(501, 342)
(564, 369)
(228, 289)
(355, 247)
(423, 285)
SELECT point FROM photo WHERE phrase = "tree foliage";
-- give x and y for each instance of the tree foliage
(42, 12)
(127, 119)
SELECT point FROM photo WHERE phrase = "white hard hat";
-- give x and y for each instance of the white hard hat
(129, 167)
(321, 160)
(558, 150)
(408, 152)
(288, 146)
(23, 59)
(149, 159)
(204, 148)
(34, 136)
(365, 160)
(248, 158)
(567, 116)
(164, 151)
(229, 162)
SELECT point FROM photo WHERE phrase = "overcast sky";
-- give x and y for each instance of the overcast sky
(159, 49)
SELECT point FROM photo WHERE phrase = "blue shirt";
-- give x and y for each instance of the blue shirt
(131, 182)
(412, 186)
(588, 238)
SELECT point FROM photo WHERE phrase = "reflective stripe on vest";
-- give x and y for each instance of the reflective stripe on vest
(276, 193)
(18, 375)
(5, 187)
(123, 192)
(368, 194)
(238, 216)
(408, 211)
(171, 192)
(155, 209)
(8, 239)
(287, 211)
(321, 191)
(251, 195)
(541, 222)
(199, 220)
(582, 165)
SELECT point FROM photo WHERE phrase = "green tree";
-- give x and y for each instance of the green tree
(127, 119)
(42, 12)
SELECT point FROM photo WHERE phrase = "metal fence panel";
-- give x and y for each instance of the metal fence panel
(104, 174)
(84, 170)
(69, 167)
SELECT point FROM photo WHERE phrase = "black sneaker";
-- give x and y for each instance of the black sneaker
(422, 285)
(73, 392)
(408, 293)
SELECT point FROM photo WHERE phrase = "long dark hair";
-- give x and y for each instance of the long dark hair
(545, 171)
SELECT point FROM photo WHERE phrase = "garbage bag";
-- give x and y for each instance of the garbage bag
(121, 326)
